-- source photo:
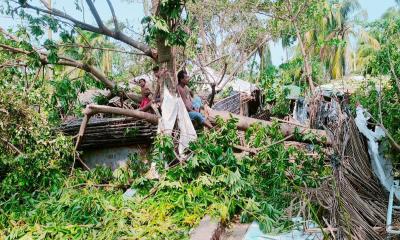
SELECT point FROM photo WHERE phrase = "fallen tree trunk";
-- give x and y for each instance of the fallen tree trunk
(94, 109)
(244, 122)
(286, 128)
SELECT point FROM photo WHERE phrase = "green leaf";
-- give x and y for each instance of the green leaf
(36, 30)
(52, 58)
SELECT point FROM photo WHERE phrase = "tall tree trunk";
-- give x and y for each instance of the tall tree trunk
(307, 63)
(244, 122)
(154, 6)
(262, 60)
(166, 54)
(172, 69)
(166, 59)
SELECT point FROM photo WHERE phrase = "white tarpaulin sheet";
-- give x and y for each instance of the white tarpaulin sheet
(382, 167)
(254, 233)
(173, 109)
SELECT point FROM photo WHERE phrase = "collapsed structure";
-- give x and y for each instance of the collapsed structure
(354, 199)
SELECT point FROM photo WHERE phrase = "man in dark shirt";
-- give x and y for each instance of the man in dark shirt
(186, 95)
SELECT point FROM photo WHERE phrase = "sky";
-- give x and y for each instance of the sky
(132, 10)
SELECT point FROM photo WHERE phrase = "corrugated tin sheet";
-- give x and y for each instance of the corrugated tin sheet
(230, 104)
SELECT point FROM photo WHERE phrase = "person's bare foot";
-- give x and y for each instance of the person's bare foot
(208, 124)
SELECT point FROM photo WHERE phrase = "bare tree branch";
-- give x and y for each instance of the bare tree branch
(240, 64)
(223, 73)
(58, 13)
(101, 29)
(211, 97)
(100, 48)
(114, 17)
(205, 72)
(12, 146)
(209, 63)
(8, 34)
(97, 17)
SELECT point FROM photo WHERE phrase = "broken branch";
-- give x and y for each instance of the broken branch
(12, 146)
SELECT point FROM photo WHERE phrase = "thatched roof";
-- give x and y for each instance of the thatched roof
(112, 132)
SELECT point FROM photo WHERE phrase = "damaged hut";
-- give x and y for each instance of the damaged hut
(110, 140)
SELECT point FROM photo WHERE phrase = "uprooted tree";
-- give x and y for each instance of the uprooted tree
(266, 173)
(165, 31)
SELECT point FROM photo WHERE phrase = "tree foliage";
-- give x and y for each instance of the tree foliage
(213, 181)
(384, 61)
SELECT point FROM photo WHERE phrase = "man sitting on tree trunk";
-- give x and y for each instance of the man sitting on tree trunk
(193, 107)
(145, 103)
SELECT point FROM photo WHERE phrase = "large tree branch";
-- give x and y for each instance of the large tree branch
(94, 109)
(61, 14)
(101, 29)
(100, 48)
(13, 49)
(90, 69)
(66, 62)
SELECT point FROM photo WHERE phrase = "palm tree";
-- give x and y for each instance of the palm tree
(341, 27)
(370, 41)
(330, 38)
(367, 45)
(391, 13)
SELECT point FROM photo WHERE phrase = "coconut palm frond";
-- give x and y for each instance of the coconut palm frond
(348, 7)
(367, 38)
(392, 12)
